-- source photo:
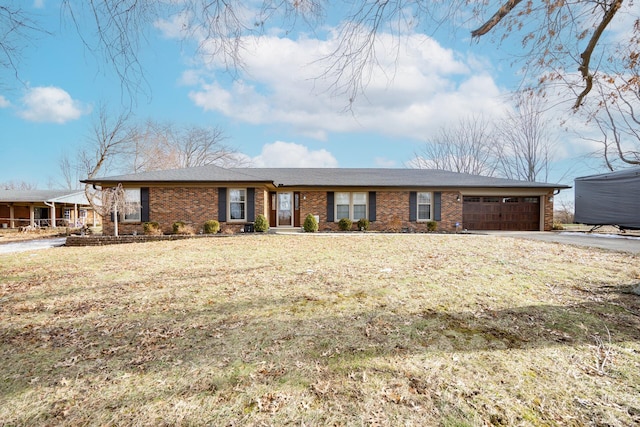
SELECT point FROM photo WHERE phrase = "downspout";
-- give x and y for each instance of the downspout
(52, 215)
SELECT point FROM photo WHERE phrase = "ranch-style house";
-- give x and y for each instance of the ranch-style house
(391, 199)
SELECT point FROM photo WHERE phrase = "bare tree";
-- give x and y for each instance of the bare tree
(108, 144)
(159, 146)
(557, 38)
(17, 185)
(17, 28)
(618, 119)
(114, 201)
(469, 147)
(526, 145)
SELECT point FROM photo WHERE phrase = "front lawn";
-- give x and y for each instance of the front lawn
(318, 330)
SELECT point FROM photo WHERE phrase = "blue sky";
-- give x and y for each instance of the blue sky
(276, 113)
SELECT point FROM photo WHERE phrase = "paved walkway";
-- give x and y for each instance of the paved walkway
(612, 242)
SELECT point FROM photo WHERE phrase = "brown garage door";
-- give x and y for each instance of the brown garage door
(501, 213)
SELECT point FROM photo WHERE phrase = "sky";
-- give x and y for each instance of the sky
(275, 111)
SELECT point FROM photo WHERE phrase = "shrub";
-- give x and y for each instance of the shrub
(363, 224)
(557, 226)
(345, 224)
(432, 226)
(181, 227)
(211, 227)
(151, 228)
(261, 224)
(310, 224)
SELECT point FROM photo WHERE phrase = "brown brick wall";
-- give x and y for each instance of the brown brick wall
(392, 211)
(548, 211)
(193, 205)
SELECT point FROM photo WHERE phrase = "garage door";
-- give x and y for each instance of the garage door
(501, 213)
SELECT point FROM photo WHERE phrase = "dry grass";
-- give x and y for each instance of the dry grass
(318, 330)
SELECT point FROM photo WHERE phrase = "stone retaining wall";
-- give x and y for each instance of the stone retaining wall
(113, 240)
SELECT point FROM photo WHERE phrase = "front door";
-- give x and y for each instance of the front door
(285, 209)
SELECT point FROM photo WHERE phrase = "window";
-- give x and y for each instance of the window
(343, 200)
(133, 207)
(359, 205)
(424, 206)
(67, 214)
(237, 204)
(350, 205)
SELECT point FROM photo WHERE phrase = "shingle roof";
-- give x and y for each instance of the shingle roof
(327, 177)
(377, 177)
(65, 196)
(209, 173)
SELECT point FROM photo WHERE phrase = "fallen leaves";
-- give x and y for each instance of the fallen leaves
(379, 330)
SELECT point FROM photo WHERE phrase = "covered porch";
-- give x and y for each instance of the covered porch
(45, 208)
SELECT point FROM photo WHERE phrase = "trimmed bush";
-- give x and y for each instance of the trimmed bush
(345, 224)
(261, 224)
(151, 228)
(363, 224)
(432, 226)
(181, 227)
(211, 227)
(310, 224)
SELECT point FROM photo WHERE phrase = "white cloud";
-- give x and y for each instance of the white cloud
(383, 162)
(288, 154)
(426, 88)
(51, 104)
(4, 102)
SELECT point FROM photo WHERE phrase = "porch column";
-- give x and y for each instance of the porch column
(52, 214)
(12, 217)
(32, 216)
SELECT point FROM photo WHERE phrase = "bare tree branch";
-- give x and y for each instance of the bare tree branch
(587, 76)
(504, 10)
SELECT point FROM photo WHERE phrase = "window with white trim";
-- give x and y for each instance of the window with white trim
(424, 206)
(133, 207)
(237, 204)
(350, 205)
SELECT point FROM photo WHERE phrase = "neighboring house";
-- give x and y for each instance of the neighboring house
(45, 208)
(391, 199)
(611, 198)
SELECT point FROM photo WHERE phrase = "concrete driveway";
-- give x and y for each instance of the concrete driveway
(31, 245)
(612, 242)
